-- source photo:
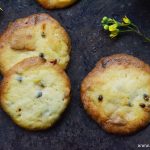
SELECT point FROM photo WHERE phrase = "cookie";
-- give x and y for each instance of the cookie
(116, 94)
(37, 35)
(34, 93)
(52, 4)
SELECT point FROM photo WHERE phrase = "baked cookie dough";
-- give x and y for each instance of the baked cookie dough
(116, 94)
(52, 4)
(37, 35)
(34, 93)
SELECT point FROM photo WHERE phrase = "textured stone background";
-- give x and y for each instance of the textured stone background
(76, 131)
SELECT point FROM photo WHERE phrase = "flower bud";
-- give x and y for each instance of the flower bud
(106, 27)
(104, 19)
(126, 20)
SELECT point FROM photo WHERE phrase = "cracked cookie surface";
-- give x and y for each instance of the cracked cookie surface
(36, 35)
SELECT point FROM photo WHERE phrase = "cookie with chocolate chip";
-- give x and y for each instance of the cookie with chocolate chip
(53, 4)
(35, 93)
(38, 35)
(116, 94)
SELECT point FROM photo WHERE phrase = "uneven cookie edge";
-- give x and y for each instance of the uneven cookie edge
(31, 62)
(102, 64)
(31, 21)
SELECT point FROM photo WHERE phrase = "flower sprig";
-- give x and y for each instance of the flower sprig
(115, 27)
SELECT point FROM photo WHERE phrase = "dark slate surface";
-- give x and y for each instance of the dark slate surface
(76, 131)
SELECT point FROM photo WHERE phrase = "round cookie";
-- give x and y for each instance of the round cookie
(34, 93)
(36, 35)
(52, 4)
(116, 94)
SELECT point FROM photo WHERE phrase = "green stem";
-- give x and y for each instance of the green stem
(137, 31)
(135, 26)
(125, 31)
(142, 35)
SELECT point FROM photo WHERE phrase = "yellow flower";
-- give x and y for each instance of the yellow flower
(114, 34)
(126, 20)
(113, 27)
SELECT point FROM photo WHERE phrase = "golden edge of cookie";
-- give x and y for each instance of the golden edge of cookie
(26, 63)
(45, 4)
(26, 22)
(117, 59)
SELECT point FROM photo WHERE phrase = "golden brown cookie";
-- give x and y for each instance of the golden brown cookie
(52, 4)
(34, 93)
(37, 35)
(116, 94)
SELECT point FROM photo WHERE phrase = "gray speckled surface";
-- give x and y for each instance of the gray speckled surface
(75, 130)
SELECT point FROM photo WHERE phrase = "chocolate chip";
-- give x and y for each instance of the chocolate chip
(43, 35)
(42, 85)
(142, 105)
(146, 97)
(19, 109)
(100, 98)
(129, 104)
(54, 62)
(104, 64)
(39, 94)
(19, 79)
(41, 55)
